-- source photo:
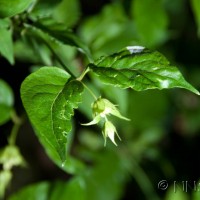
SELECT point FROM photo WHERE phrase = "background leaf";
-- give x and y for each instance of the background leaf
(139, 70)
(73, 190)
(151, 32)
(6, 42)
(67, 12)
(8, 8)
(48, 98)
(33, 192)
(196, 11)
(6, 101)
(48, 29)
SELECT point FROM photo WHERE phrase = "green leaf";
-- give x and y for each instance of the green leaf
(151, 32)
(176, 193)
(6, 42)
(9, 8)
(48, 29)
(49, 99)
(33, 192)
(196, 11)
(73, 190)
(6, 101)
(140, 69)
(44, 8)
(93, 29)
(67, 12)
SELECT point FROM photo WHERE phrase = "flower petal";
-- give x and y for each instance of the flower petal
(94, 121)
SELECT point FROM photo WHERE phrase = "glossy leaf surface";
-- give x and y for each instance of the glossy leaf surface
(140, 69)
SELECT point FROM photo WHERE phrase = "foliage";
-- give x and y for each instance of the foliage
(75, 66)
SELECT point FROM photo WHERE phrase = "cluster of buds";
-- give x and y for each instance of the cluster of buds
(101, 109)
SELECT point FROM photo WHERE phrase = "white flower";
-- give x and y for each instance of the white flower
(109, 130)
(102, 108)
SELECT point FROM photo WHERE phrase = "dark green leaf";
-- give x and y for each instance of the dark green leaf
(6, 42)
(139, 69)
(8, 8)
(49, 30)
(49, 100)
(6, 101)
(107, 178)
(196, 11)
(73, 190)
(151, 23)
(33, 192)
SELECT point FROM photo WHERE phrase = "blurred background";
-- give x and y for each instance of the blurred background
(158, 157)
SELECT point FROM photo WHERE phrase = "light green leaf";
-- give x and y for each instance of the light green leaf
(196, 11)
(49, 99)
(140, 69)
(6, 101)
(6, 42)
(151, 23)
(8, 8)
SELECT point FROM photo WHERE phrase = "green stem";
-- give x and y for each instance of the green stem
(80, 78)
(90, 91)
(17, 123)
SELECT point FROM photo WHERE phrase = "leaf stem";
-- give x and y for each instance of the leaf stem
(90, 91)
(17, 123)
(80, 78)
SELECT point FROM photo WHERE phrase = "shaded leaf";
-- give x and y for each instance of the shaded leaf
(8, 8)
(49, 30)
(151, 32)
(67, 12)
(6, 42)
(6, 101)
(49, 100)
(196, 11)
(118, 35)
(140, 69)
(73, 190)
(33, 192)
(107, 178)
